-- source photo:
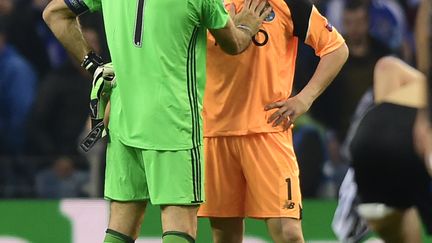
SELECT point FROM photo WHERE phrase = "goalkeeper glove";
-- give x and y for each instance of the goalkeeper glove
(103, 82)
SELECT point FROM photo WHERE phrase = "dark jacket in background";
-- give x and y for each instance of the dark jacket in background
(60, 113)
(17, 91)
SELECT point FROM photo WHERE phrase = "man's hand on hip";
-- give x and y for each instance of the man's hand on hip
(287, 111)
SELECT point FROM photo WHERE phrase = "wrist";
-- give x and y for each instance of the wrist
(91, 62)
(305, 99)
(245, 29)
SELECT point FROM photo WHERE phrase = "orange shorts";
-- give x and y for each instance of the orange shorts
(251, 176)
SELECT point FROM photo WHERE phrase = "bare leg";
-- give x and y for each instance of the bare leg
(127, 217)
(285, 230)
(398, 227)
(227, 230)
(180, 218)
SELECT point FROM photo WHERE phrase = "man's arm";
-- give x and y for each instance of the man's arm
(422, 36)
(61, 17)
(236, 36)
(232, 40)
(328, 67)
(65, 26)
(314, 30)
(22, 86)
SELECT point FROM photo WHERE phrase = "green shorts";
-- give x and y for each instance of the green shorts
(164, 177)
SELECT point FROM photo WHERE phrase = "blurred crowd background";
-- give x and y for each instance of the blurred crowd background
(44, 98)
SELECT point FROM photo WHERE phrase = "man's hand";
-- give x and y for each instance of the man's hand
(237, 35)
(251, 15)
(103, 82)
(288, 111)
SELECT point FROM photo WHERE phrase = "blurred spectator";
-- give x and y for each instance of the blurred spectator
(6, 7)
(17, 89)
(334, 12)
(311, 153)
(334, 168)
(336, 106)
(61, 180)
(30, 36)
(387, 23)
(318, 156)
(61, 110)
(410, 8)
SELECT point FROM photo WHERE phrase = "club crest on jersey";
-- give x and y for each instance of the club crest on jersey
(270, 17)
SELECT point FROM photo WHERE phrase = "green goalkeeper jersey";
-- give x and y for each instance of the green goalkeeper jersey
(158, 50)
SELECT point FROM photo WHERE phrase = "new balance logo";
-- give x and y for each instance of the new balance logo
(289, 205)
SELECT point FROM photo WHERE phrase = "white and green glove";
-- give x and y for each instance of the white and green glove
(103, 82)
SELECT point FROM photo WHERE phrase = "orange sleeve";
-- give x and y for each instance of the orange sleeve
(321, 35)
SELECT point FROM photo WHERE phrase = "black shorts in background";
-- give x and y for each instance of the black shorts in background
(387, 169)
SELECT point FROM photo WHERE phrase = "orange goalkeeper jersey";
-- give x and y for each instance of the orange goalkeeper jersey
(238, 87)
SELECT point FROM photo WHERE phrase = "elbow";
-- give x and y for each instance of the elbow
(339, 56)
(344, 52)
(49, 14)
(55, 11)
